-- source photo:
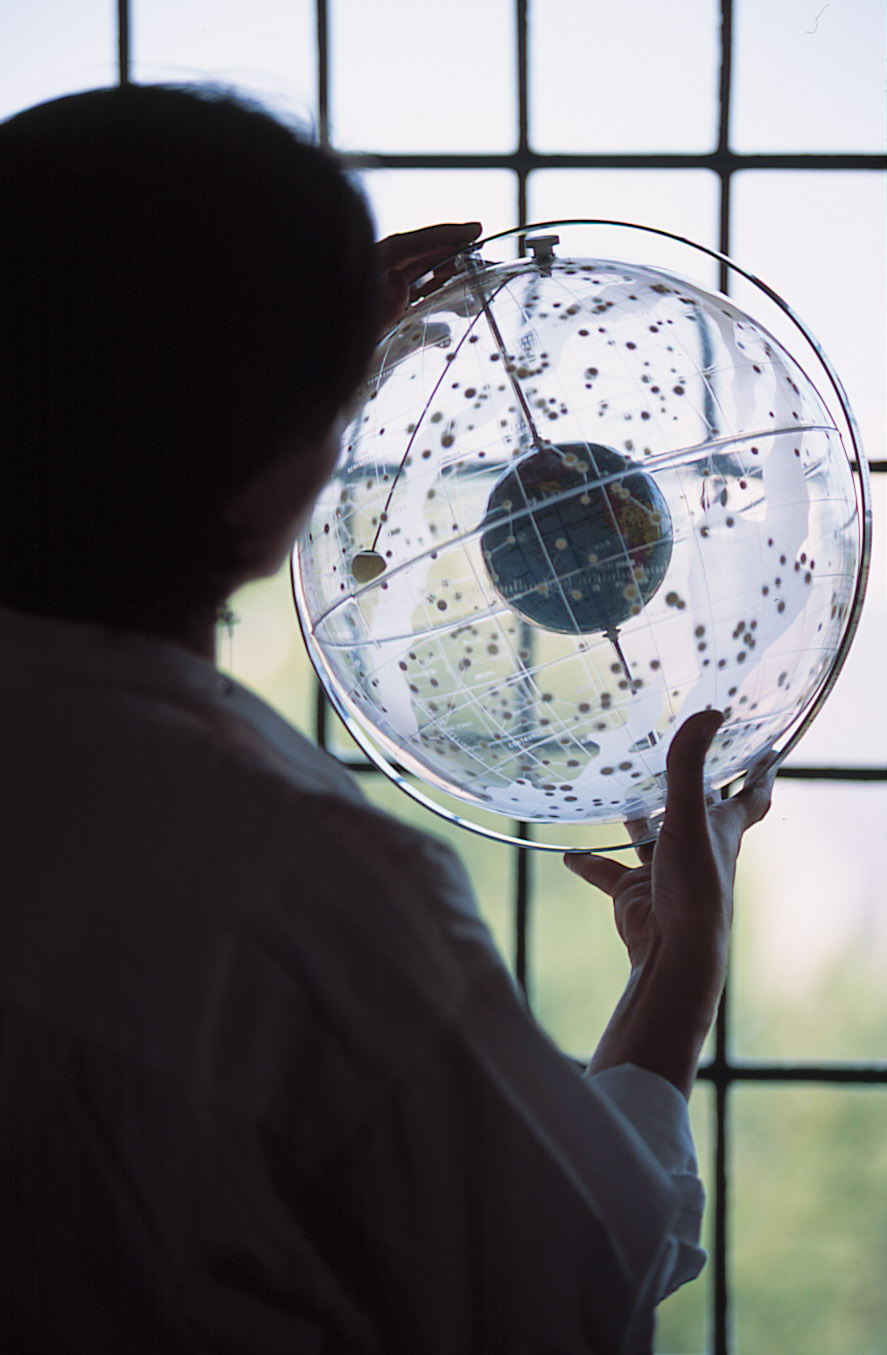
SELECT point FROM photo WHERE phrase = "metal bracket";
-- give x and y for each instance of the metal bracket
(543, 247)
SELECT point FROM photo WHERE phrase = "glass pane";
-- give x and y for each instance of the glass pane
(808, 1220)
(681, 1319)
(266, 48)
(810, 935)
(808, 77)
(843, 218)
(404, 199)
(678, 200)
(817, 237)
(264, 649)
(578, 965)
(413, 76)
(636, 76)
(51, 47)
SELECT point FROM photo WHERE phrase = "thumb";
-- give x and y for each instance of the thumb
(685, 808)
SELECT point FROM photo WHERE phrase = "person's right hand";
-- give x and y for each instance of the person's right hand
(414, 253)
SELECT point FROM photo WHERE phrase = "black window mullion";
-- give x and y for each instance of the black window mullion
(523, 901)
(323, 73)
(523, 82)
(321, 704)
(720, 1291)
(123, 56)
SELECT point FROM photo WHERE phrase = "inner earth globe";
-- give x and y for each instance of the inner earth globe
(580, 499)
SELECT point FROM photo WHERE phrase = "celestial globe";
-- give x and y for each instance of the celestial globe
(581, 498)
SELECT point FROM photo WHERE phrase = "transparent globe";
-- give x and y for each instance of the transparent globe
(580, 500)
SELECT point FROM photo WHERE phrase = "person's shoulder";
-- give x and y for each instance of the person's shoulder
(378, 918)
(350, 841)
(277, 773)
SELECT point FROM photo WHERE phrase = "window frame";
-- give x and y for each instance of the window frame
(722, 1070)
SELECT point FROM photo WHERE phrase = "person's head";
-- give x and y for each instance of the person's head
(188, 294)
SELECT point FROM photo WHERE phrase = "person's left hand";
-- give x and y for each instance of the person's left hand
(402, 258)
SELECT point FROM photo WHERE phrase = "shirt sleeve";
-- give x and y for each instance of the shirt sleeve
(658, 1113)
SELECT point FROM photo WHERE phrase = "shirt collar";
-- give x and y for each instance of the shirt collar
(37, 647)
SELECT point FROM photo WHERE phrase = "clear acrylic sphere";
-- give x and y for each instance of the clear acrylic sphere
(580, 500)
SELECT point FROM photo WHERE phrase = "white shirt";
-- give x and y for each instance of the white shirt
(268, 1085)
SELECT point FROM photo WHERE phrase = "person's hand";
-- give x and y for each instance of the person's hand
(403, 258)
(682, 893)
(674, 911)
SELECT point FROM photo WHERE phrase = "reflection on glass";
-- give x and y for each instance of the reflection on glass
(807, 1220)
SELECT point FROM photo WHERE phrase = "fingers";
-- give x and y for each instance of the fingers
(753, 801)
(429, 282)
(597, 870)
(762, 771)
(685, 808)
(756, 801)
(412, 255)
(394, 299)
(417, 251)
(643, 837)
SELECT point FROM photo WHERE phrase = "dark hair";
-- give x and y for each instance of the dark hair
(187, 289)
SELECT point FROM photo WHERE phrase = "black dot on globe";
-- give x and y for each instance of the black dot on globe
(576, 538)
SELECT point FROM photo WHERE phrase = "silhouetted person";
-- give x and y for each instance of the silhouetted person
(267, 1085)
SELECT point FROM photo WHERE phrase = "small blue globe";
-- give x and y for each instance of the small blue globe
(577, 539)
